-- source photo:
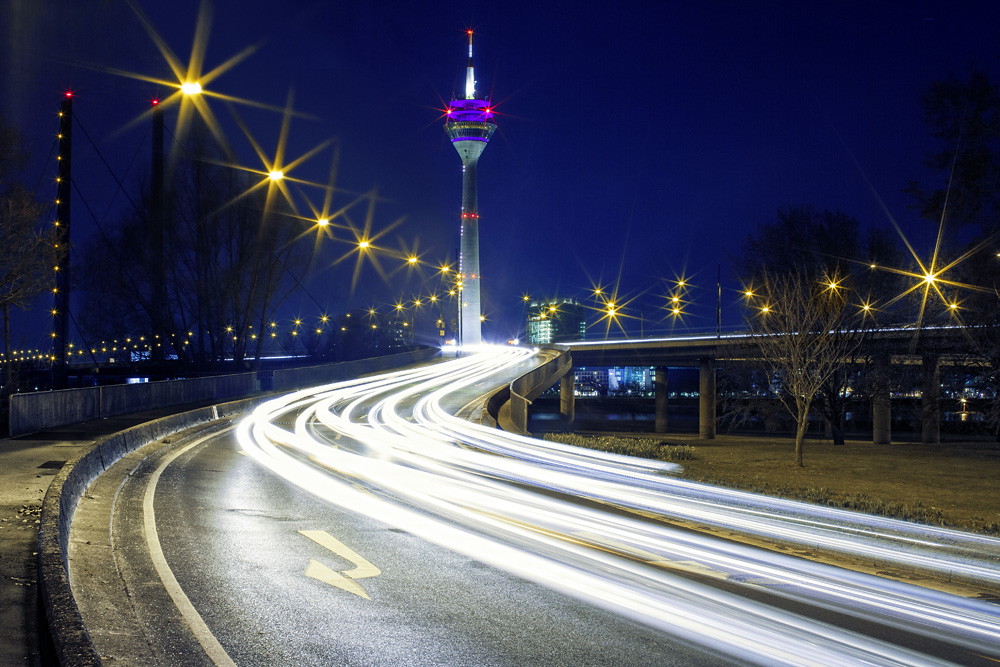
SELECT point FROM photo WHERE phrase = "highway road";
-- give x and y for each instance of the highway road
(371, 523)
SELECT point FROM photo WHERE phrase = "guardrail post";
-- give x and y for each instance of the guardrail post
(660, 378)
(706, 399)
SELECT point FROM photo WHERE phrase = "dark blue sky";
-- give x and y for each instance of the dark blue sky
(640, 142)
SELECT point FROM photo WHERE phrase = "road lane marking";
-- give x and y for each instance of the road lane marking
(208, 642)
(690, 566)
(345, 579)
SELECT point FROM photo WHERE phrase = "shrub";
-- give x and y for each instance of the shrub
(640, 447)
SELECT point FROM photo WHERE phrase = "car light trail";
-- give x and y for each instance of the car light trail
(389, 447)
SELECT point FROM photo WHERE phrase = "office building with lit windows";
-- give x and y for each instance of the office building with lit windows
(556, 321)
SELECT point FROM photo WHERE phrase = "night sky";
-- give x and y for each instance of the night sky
(636, 144)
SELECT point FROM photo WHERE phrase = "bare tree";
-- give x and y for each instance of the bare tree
(27, 257)
(803, 333)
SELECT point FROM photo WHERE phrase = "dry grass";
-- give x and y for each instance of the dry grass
(953, 484)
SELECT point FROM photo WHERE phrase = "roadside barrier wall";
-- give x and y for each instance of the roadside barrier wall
(45, 409)
(35, 411)
(527, 388)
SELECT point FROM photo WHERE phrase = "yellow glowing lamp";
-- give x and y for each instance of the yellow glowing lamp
(364, 245)
(191, 88)
(276, 175)
(929, 278)
(323, 222)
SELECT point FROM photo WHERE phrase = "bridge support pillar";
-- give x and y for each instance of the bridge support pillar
(881, 419)
(706, 399)
(930, 409)
(660, 377)
(567, 397)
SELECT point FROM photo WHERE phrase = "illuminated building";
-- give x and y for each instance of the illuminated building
(469, 125)
(556, 321)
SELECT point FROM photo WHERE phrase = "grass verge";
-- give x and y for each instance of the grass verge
(951, 484)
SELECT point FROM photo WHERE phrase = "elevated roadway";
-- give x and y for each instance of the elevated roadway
(929, 347)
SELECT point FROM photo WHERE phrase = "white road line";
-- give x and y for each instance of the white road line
(208, 642)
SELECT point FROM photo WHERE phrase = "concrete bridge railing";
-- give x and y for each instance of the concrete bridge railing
(529, 386)
(44, 409)
(35, 411)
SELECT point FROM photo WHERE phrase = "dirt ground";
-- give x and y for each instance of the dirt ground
(954, 483)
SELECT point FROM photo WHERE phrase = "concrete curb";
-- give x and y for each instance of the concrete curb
(70, 638)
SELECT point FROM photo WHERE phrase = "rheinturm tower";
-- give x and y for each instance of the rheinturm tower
(469, 126)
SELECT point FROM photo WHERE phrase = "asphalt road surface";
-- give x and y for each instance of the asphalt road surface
(363, 524)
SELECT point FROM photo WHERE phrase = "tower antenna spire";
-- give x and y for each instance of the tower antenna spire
(469, 124)
(470, 77)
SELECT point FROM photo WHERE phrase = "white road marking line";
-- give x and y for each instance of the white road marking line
(208, 642)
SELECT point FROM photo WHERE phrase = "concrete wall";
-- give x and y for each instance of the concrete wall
(45, 409)
(122, 399)
(527, 388)
(35, 411)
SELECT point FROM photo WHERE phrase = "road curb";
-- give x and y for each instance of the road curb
(72, 642)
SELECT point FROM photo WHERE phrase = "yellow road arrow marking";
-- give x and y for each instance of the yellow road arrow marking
(317, 570)
(344, 579)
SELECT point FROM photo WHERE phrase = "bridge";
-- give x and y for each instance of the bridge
(930, 347)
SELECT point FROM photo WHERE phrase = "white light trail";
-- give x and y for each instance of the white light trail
(472, 489)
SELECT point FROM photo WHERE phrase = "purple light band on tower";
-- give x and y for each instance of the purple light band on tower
(460, 111)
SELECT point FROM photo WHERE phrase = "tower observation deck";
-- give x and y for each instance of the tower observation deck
(469, 125)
